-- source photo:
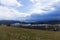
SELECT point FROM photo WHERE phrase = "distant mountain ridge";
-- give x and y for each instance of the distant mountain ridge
(37, 22)
(8, 21)
(47, 22)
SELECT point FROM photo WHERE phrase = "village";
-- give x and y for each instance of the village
(54, 27)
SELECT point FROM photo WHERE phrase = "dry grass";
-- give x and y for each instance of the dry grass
(12, 33)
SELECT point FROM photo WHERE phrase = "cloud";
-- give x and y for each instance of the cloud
(49, 8)
(10, 13)
(10, 3)
(38, 7)
(43, 6)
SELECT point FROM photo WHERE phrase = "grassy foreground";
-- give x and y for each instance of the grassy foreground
(12, 33)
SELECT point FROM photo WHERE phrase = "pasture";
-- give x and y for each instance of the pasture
(13, 33)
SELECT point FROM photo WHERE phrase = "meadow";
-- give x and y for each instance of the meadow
(13, 33)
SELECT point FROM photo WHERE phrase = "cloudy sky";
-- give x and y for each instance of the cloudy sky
(29, 10)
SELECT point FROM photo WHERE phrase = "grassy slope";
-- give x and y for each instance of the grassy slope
(11, 33)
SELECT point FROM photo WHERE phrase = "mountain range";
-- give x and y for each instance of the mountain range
(37, 22)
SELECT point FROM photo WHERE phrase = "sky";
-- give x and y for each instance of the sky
(30, 10)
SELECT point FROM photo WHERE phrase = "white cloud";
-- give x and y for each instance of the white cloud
(43, 6)
(11, 14)
(10, 3)
(7, 12)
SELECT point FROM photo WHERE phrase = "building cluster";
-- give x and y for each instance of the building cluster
(55, 27)
(38, 26)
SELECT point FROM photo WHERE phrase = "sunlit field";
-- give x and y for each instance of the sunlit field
(13, 33)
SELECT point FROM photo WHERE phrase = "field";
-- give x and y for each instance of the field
(13, 33)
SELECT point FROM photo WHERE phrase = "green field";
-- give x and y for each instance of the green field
(13, 33)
